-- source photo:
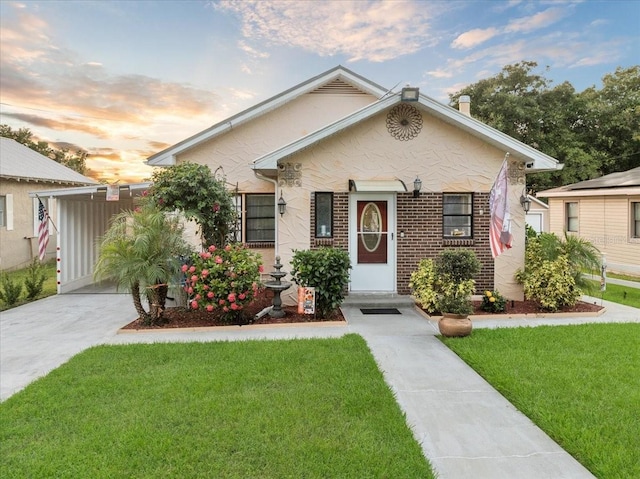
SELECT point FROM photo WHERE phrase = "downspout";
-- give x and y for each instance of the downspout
(275, 185)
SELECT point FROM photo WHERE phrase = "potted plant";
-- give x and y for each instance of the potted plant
(455, 269)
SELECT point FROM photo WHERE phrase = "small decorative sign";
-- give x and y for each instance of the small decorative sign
(306, 300)
(113, 193)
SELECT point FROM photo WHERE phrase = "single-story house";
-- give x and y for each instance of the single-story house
(23, 170)
(538, 215)
(604, 211)
(391, 177)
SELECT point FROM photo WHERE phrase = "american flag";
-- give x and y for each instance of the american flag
(500, 227)
(43, 230)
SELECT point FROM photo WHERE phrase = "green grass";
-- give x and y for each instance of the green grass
(580, 384)
(49, 288)
(619, 294)
(256, 409)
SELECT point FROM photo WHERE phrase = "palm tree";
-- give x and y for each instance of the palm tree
(140, 252)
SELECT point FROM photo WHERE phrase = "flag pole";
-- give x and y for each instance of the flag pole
(48, 215)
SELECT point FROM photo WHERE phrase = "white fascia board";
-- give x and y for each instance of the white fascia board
(87, 190)
(270, 160)
(561, 193)
(168, 156)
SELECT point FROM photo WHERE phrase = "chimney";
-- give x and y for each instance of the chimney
(464, 105)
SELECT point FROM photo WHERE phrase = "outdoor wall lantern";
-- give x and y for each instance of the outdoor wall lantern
(417, 186)
(525, 201)
(410, 94)
(282, 205)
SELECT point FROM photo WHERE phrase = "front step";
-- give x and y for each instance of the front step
(378, 300)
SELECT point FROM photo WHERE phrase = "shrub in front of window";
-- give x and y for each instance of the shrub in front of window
(325, 269)
(224, 279)
(193, 190)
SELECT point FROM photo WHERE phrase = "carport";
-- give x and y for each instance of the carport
(82, 216)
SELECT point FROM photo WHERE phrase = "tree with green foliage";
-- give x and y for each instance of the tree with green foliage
(141, 252)
(76, 160)
(592, 133)
(34, 281)
(194, 191)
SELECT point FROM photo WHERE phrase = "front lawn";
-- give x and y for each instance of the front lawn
(255, 409)
(580, 384)
(619, 294)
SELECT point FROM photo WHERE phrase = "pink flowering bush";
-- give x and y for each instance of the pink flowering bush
(222, 278)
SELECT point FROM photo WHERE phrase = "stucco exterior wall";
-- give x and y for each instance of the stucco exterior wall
(238, 148)
(19, 246)
(605, 221)
(446, 160)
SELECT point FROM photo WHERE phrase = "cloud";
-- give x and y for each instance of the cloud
(536, 21)
(36, 74)
(474, 37)
(361, 30)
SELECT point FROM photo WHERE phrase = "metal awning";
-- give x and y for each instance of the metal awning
(396, 185)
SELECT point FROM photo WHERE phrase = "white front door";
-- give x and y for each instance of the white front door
(372, 242)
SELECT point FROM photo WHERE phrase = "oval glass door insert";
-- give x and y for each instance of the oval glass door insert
(371, 226)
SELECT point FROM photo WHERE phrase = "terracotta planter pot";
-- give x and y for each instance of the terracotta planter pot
(451, 325)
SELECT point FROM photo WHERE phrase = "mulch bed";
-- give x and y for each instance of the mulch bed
(531, 307)
(175, 317)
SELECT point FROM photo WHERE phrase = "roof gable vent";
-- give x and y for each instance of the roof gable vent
(337, 87)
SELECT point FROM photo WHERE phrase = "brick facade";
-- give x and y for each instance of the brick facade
(419, 233)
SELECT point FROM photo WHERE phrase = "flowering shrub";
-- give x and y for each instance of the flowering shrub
(493, 302)
(222, 278)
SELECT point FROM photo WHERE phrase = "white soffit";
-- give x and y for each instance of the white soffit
(363, 186)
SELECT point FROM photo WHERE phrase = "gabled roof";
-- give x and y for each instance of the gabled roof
(536, 160)
(21, 163)
(334, 79)
(622, 182)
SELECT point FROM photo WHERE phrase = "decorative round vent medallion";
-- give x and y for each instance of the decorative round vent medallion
(404, 122)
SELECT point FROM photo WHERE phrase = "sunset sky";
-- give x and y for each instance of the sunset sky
(125, 79)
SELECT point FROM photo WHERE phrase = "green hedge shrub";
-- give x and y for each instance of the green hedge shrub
(325, 269)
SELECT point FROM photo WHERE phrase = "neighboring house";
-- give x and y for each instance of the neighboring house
(343, 153)
(538, 215)
(604, 211)
(22, 171)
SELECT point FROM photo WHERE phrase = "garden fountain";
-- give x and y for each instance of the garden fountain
(277, 287)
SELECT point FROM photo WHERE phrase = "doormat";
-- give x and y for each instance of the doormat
(380, 311)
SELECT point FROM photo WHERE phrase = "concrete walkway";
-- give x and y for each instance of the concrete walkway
(466, 428)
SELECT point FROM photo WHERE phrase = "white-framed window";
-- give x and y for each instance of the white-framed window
(635, 219)
(457, 215)
(259, 217)
(571, 216)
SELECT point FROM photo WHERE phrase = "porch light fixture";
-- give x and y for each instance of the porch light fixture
(282, 205)
(417, 186)
(410, 94)
(525, 201)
